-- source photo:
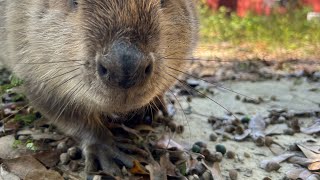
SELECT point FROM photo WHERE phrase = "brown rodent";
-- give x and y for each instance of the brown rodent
(85, 60)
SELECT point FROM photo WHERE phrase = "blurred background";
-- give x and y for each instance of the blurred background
(264, 29)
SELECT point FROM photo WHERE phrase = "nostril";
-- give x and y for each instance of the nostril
(148, 69)
(102, 70)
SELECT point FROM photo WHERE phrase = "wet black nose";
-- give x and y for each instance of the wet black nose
(124, 66)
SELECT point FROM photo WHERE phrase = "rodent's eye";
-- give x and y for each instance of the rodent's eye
(73, 3)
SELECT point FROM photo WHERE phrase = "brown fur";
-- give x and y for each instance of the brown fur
(37, 33)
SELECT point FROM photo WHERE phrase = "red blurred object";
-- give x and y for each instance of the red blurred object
(260, 7)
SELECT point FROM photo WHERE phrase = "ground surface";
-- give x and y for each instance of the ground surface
(288, 92)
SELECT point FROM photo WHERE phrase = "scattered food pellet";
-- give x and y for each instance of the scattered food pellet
(233, 174)
(213, 137)
(221, 148)
(247, 155)
(196, 148)
(230, 155)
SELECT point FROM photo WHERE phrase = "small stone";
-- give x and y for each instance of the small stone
(196, 148)
(201, 144)
(74, 166)
(273, 98)
(267, 178)
(259, 141)
(213, 137)
(289, 132)
(230, 155)
(205, 152)
(64, 158)
(172, 126)
(245, 120)
(74, 153)
(62, 146)
(189, 99)
(238, 97)
(221, 148)
(247, 155)
(272, 166)
(23, 138)
(281, 119)
(268, 141)
(233, 174)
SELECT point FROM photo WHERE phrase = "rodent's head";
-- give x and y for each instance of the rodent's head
(110, 54)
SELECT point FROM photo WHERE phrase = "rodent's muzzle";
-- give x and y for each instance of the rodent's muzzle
(124, 66)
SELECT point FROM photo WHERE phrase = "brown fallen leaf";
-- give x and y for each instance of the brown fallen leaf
(314, 166)
(43, 174)
(23, 165)
(48, 158)
(138, 169)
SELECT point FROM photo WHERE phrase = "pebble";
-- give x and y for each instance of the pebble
(196, 148)
(267, 178)
(272, 166)
(64, 158)
(74, 153)
(221, 148)
(289, 132)
(230, 155)
(247, 155)
(281, 119)
(201, 144)
(213, 137)
(233, 174)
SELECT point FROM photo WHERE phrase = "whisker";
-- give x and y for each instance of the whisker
(216, 85)
(204, 95)
(60, 75)
(19, 110)
(51, 62)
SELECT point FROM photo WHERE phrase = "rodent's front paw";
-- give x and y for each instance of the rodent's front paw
(106, 158)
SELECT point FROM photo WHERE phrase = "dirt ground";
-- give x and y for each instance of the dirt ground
(289, 96)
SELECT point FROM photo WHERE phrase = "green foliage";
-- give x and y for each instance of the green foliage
(25, 119)
(290, 30)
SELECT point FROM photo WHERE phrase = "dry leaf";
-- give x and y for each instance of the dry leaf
(243, 136)
(138, 168)
(315, 128)
(44, 174)
(216, 172)
(314, 166)
(309, 153)
(257, 126)
(166, 143)
(23, 165)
